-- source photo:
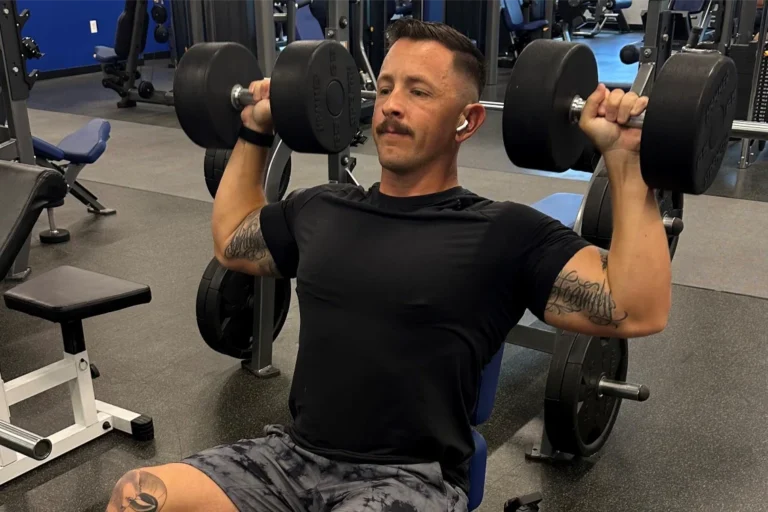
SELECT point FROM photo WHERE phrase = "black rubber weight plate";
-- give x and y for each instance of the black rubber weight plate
(202, 87)
(552, 410)
(537, 130)
(216, 162)
(688, 122)
(597, 219)
(587, 418)
(315, 96)
(224, 310)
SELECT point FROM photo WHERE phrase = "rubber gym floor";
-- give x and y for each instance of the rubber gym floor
(699, 442)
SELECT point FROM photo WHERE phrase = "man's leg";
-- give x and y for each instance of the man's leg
(253, 475)
(396, 488)
(169, 488)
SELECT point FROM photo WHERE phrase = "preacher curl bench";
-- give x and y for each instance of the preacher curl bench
(65, 295)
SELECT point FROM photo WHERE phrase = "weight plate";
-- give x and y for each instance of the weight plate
(585, 418)
(315, 96)
(161, 34)
(216, 161)
(159, 14)
(224, 308)
(588, 160)
(202, 88)
(688, 122)
(537, 129)
(597, 219)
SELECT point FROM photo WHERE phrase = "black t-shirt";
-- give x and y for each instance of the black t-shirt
(403, 301)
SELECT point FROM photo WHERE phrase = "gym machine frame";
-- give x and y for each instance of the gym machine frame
(130, 94)
(530, 332)
(749, 147)
(340, 166)
(15, 84)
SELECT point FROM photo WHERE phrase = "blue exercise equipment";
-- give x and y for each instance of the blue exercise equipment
(565, 208)
(69, 157)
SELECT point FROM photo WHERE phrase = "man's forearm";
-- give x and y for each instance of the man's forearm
(241, 191)
(639, 267)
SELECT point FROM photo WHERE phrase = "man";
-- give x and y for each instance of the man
(406, 291)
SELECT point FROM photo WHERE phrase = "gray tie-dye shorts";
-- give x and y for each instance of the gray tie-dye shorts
(273, 474)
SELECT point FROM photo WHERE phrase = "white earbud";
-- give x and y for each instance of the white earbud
(463, 125)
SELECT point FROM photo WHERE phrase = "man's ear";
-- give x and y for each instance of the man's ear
(470, 120)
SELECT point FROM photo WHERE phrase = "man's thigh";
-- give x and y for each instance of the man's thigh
(170, 488)
(411, 488)
(261, 475)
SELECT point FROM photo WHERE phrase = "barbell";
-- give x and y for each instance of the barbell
(314, 94)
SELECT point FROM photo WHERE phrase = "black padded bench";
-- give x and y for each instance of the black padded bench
(65, 295)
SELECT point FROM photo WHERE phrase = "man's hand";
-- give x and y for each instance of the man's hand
(258, 117)
(603, 117)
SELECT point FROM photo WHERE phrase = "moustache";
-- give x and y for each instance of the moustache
(393, 126)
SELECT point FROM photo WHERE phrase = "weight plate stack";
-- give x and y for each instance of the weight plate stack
(225, 310)
(578, 419)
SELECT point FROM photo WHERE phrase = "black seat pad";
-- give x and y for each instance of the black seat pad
(68, 293)
(24, 191)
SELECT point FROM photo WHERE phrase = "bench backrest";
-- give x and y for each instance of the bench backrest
(25, 190)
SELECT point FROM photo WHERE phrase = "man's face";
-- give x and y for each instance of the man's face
(417, 106)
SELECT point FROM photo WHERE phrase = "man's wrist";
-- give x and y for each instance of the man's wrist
(256, 137)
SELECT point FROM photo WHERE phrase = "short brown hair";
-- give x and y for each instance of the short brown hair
(467, 58)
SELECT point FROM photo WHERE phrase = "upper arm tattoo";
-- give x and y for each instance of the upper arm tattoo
(248, 243)
(571, 294)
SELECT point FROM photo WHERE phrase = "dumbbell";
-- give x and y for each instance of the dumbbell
(685, 129)
(314, 94)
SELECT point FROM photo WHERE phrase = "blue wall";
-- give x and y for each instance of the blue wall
(73, 47)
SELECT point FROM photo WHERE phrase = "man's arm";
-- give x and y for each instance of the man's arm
(238, 241)
(627, 291)
(624, 292)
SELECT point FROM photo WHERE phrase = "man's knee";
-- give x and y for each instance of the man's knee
(138, 489)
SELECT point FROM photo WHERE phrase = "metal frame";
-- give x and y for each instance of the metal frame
(530, 332)
(340, 166)
(492, 22)
(93, 418)
(748, 146)
(15, 85)
(129, 93)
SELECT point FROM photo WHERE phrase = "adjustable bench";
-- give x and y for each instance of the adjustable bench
(69, 157)
(565, 208)
(65, 295)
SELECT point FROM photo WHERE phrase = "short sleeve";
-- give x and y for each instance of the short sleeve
(278, 223)
(543, 247)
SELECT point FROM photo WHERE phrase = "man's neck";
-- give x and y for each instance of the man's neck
(428, 180)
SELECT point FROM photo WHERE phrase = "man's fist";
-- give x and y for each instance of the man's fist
(258, 117)
(604, 116)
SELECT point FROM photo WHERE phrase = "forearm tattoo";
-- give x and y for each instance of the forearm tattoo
(570, 294)
(138, 491)
(248, 243)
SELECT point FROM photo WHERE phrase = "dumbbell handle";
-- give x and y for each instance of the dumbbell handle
(638, 392)
(739, 129)
(241, 97)
(577, 105)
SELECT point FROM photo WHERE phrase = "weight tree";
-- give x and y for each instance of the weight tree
(15, 84)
